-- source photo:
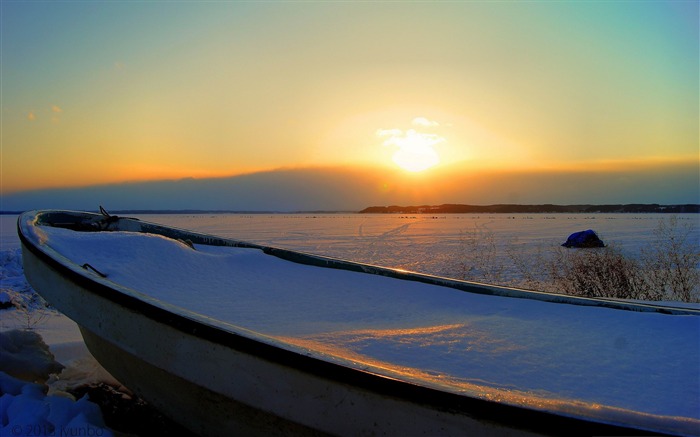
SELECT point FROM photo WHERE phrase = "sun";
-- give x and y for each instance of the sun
(415, 150)
(415, 153)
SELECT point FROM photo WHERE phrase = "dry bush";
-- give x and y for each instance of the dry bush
(667, 269)
(479, 258)
(529, 273)
(601, 272)
(672, 265)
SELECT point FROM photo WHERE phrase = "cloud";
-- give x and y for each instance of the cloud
(56, 117)
(56, 112)
(412, 139)
(389, 132)
(424, 122)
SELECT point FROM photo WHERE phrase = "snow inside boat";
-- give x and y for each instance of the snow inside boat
(229, 337)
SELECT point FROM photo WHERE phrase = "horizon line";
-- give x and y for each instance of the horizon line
(695, 208)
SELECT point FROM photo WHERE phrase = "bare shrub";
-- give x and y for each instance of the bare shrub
(602, 272)
(667, 269)
(529, 273)
(671, 265)
(30, 309)
(479, 259)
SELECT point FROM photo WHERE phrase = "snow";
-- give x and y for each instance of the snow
(42, 355)
(518, 350)
(25, 410)
(26, 356)
(436, 245)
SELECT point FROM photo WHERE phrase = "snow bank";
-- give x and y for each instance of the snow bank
(553, 354)
(29, 368)
(26, 411)
(24, 355)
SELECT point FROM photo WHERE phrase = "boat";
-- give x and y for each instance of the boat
(230, 337)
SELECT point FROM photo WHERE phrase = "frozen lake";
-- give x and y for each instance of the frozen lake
(441, 245)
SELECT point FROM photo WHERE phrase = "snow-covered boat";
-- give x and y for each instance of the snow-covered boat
(229, 337)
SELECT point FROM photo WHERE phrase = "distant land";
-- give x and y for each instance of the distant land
(545, 208)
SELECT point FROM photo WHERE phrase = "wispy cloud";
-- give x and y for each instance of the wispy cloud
(56, 114)
(400, 138)
(389, 132)
(424, 122)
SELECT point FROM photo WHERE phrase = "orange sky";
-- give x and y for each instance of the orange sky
(102, 92)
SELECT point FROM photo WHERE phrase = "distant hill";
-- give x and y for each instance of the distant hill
(544, 208)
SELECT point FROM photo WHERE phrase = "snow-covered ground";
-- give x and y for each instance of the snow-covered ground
(42, 356)
(435, 245)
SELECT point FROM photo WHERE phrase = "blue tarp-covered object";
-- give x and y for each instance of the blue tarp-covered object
(586, 238)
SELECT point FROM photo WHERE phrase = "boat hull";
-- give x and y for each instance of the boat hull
(217, 381)
(215, 389)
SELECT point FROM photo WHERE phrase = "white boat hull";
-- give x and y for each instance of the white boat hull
(216, 390)
(217, 381)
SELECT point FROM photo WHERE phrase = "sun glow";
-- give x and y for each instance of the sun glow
(414, 149)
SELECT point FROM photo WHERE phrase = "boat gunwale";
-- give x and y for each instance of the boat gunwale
(341, 264)
(517, 416)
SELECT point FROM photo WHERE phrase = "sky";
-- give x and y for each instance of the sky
(98, 93)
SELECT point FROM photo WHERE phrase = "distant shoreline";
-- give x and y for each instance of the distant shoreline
(543, 208)
(448, 209)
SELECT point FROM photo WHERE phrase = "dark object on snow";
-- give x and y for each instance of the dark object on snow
(584, 239)
(24, 355)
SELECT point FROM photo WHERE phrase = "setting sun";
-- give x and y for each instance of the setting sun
(414, 149)
(416, 153)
